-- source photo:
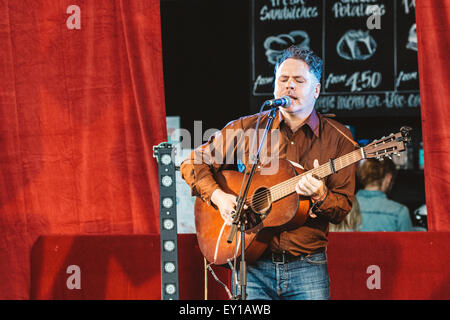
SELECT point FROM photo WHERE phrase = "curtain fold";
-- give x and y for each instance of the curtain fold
(80, 110)
(433, 37)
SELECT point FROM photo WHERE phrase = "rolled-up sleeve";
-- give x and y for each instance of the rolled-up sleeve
(341, 189)
(204, 162)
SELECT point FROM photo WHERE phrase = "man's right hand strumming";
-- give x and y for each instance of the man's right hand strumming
(226, 203)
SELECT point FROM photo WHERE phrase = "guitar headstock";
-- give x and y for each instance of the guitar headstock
(392, 144)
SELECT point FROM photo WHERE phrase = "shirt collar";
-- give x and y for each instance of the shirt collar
(312, 121)
(371, 193)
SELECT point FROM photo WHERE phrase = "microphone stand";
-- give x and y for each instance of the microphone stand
(239, 218)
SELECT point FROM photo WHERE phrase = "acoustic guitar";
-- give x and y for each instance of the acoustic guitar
(273, 203)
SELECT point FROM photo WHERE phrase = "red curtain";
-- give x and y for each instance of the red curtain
(80, 110)
(433, 35)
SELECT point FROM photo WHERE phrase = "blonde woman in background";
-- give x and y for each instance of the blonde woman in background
(352, 222)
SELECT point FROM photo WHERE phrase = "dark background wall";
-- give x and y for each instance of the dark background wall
(207, 78)
(206, 60)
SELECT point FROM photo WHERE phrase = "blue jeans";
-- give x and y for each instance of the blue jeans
(303, 279)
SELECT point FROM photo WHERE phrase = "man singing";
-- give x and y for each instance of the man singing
(295, 265)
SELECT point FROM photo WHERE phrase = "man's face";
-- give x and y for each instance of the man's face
(294, 79)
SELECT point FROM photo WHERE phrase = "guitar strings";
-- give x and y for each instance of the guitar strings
(286, 186)
(322, 171)
(283, 187)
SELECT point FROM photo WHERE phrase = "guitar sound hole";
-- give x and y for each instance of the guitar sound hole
(261, 201)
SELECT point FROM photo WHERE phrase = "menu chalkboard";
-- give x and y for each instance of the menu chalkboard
(369, 50)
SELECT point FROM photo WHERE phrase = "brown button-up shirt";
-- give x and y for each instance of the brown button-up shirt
(315, 139)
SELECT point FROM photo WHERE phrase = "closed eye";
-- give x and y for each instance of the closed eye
(297, 79)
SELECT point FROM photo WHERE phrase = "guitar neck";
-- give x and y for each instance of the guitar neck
(287, 187)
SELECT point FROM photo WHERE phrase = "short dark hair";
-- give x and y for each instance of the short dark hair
(306, 55)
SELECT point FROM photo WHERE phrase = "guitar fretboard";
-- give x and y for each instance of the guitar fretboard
(287, 187)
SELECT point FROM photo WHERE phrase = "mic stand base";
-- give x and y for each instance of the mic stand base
(243, 265)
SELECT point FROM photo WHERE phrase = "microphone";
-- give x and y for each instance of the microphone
(282, 102)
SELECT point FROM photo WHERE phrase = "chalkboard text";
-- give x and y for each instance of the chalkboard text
(288, 11)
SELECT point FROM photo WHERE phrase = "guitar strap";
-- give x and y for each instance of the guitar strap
(331, 115)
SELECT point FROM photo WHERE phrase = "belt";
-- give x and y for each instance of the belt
(286, 257)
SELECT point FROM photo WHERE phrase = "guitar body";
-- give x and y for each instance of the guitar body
(263, 221)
